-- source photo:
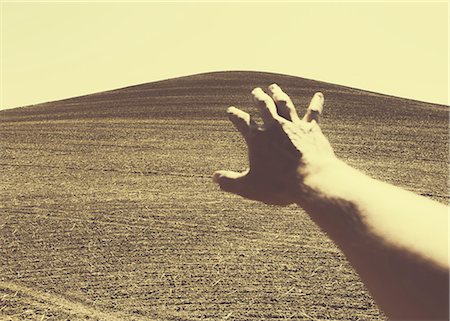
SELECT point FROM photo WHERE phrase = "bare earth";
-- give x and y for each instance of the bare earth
(108, 212)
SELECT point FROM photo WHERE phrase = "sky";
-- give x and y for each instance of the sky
(55, 50)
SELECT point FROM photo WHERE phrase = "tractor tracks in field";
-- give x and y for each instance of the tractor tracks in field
(115, 170)
(175, 174)
(53, 301)
(285, 240)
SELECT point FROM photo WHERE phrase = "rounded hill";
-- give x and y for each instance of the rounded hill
(207, 96)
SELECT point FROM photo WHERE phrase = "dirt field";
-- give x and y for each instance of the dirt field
(108, 211)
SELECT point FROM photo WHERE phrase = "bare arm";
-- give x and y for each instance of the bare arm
(396, 240)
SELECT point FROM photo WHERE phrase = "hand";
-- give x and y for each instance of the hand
(283, 152)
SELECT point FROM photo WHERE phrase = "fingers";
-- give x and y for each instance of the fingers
(274, 109)
(241, 120)
(315, 108)
(284, 104)
(266, 106)
(232, 182)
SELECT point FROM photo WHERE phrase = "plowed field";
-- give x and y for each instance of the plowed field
(114, 217)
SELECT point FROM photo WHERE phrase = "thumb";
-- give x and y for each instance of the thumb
(232, 182)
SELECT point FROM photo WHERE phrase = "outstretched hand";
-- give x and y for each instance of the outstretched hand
(283, 152)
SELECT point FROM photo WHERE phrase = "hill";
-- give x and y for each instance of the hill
(108, 210)
(206, 95)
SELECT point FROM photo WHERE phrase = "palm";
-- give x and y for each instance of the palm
(276, 149)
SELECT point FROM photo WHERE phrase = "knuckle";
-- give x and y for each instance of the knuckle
(281, 97)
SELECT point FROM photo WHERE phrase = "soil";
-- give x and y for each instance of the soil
(108, 211)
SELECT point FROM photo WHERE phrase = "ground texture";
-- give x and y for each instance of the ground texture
(108, 212)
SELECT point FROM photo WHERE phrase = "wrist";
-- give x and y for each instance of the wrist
(334, 179)
(330, 195)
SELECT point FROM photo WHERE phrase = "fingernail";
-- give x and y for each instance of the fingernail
(215, 177)
(319, 95)
(259, 94)
(257, 91)
(274, 87)
(231, 110)
(317, 102)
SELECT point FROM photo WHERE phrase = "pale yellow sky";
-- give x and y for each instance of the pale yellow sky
(55, 50)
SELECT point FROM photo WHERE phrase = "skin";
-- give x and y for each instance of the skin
(396, 240)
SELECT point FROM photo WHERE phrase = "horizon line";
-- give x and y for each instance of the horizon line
(2, 108)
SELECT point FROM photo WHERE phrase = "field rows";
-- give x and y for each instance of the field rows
(119, 219)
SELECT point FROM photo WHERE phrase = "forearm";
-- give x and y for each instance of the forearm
(395, 240)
